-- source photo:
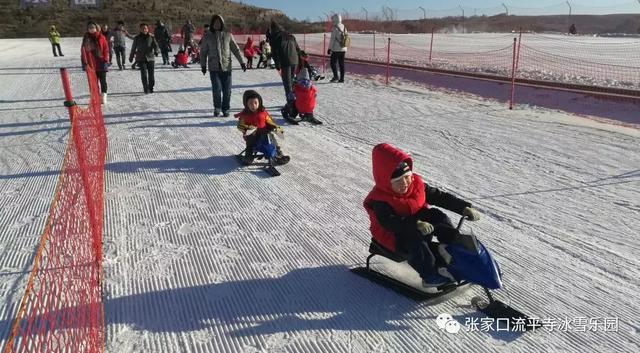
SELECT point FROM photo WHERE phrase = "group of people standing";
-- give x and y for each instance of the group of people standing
(100, 43)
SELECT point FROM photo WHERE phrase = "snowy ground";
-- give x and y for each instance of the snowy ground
(202, 255)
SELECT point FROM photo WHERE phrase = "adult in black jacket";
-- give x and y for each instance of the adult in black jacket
(164, 41)
(145, 49)
(108, 35)
(284, 51)
(187, 33)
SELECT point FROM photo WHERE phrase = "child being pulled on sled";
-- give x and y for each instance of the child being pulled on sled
(401, 213)
(181, 59)
(255, 116)
(305, 93)
(194, 52)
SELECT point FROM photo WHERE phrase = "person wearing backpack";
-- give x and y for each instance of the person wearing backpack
(338, 47)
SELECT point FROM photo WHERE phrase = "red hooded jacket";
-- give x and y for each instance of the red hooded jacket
(305, 97)
(248, 48)
(259, 119)
(95, 49)
(182, 58)
(385, 159)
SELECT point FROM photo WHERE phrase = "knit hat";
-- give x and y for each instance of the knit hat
(402, 169)
(248, 94)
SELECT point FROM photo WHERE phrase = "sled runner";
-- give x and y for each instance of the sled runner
(468, 262)
(264, 149)
(375, 249)
(289, 113)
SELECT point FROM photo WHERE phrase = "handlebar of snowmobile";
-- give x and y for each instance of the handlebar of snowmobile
(460, 222)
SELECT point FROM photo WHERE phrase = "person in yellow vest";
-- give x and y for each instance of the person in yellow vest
(54, 38)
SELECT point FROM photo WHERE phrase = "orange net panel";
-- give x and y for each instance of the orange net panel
(62, 309)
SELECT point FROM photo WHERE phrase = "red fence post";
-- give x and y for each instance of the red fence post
(324, 50)
(513, 75)
(388, 58)
(431, 45)
(68, 97)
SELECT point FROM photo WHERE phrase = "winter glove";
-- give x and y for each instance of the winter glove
(280, 132)
(244, 67)
(105, 67)
(328, 51)
(130, 59)
(84, 67)
(471, 214)
(424, 228)
(204, 70)
(155, 54)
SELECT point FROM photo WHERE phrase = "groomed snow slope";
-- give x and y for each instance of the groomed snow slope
(202, 255)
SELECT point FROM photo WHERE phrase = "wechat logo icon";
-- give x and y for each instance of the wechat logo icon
(447, 323)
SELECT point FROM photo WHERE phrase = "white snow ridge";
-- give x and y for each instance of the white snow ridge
(203, 255)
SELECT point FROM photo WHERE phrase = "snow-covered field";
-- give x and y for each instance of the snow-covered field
(202, 255)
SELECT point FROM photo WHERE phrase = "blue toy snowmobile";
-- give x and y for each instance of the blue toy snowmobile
(467, 261)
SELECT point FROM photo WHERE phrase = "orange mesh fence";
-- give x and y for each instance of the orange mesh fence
(62, 309)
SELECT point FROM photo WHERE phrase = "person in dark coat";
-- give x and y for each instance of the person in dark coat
(163, 38)
(108, 35)
(284, 51)
(145, 49)
(401, 216)
(205, 29)
(94, 51)
(120, 36)
(217, 46)
(187, 33)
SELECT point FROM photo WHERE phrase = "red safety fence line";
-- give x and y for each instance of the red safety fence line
(62, 309)
(581, 69)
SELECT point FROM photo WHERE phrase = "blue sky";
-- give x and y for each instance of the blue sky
(312, 9)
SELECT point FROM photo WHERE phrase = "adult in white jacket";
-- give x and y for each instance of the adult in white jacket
(336, 50)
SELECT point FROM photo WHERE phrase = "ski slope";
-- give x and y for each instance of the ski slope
(202, 255)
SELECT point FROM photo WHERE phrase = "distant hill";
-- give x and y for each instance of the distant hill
(35, 21)
(585, 24)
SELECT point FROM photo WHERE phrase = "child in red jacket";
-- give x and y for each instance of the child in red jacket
(181, 59)
(305, 93)
(254, 115)
(402, 220)
(249, 52)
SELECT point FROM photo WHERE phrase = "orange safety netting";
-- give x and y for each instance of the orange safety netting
(62, 308)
